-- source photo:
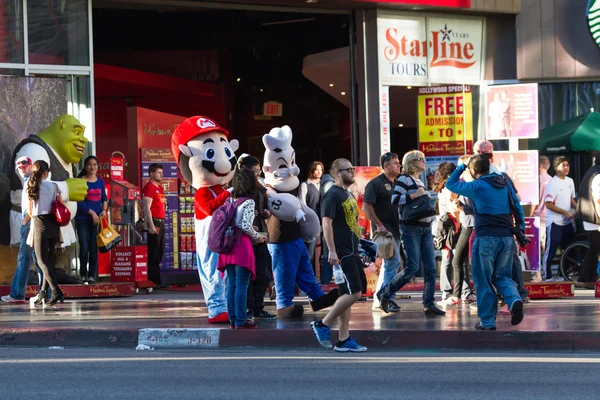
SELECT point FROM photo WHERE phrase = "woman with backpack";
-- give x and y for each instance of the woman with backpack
(262, 258)
(239, 261)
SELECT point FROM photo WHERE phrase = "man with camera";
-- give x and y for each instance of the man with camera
(496, 205)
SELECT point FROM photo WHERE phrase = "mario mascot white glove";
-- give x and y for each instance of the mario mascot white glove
(289, 224)
(207, 161)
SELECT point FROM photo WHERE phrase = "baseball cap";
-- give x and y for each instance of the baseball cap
(483, 147)
(192, 128)
(23, 160)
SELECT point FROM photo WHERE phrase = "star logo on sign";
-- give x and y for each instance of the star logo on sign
(459, 132)
(430, 133)
(446, 33)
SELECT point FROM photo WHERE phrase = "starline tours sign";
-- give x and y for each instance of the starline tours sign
(423, 50)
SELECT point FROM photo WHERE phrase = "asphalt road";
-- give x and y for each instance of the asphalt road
(259, 374)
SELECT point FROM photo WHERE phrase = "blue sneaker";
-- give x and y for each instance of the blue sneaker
(350, 346)
(322, 335)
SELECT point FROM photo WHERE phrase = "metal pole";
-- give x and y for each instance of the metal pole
(353, 99)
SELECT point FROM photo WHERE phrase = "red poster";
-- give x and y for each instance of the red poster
(117, 168)
(362, 176)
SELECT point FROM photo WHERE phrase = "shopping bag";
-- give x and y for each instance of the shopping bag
(107, 237)
(60, 211)
(385, 244)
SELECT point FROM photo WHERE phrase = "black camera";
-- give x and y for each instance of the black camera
(522, 239)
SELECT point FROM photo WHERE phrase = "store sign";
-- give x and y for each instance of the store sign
(445, 120)
(421, 50)
(272, 109)
(593, 17)
(384, 107)
(117, 168)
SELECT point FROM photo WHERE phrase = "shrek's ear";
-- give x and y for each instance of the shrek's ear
(185, 150)
(62, 124)
(235, 145)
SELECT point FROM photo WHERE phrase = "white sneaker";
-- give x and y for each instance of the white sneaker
(33, 299)
(449, 301)
(8, 299)
(560, 279)
(549, 280)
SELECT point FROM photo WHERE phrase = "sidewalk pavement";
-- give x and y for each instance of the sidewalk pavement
(171, 319)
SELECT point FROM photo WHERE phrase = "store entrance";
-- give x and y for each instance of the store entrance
(242, 68)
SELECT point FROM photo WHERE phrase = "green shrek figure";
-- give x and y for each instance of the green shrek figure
(61, 145)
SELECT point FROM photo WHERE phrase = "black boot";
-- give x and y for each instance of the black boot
(325, 301)
(41, 298)
(57, 296)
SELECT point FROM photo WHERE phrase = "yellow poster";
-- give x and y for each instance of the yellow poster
(445, 120)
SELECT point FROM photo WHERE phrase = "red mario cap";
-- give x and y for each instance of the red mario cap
(191, 128)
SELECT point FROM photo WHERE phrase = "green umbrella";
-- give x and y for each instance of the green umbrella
(581, 133)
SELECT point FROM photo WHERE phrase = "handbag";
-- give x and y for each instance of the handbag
(107, 237)
(417, 209)
(385, 244)
(60, 211)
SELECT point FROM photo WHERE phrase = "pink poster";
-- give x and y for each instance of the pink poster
(512, 111)
(522, 168)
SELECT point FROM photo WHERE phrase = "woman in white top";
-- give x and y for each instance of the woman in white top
(46, 231)
(239, 262)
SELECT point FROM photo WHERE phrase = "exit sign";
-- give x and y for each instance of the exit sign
(272, 109)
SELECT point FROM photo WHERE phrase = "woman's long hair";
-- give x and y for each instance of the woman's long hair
(244, 184)
(441, 175)
(84, 171)
(247, 161)
(35, 179)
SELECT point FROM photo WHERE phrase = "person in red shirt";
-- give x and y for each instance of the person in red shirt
(154, 199)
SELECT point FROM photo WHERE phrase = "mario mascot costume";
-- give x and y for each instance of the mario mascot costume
(207, 161)
(287, 226)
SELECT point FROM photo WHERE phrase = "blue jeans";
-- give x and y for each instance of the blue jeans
(238, 279)
(88, 248)
(291, 267)
(389, 270)
(492, 267)
(418, 245)
(19, 283)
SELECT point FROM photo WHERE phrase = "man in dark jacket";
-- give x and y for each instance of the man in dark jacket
(588, 210)
(494, 245)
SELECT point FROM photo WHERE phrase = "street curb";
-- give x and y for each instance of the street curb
(71, 337)
(210, 338)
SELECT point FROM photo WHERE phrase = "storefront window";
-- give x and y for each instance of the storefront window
(557, 102)
(11, 31)
(58, 32)
(12, 72)
(79, 105)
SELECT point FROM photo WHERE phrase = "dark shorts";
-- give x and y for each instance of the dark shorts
(356, 280)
